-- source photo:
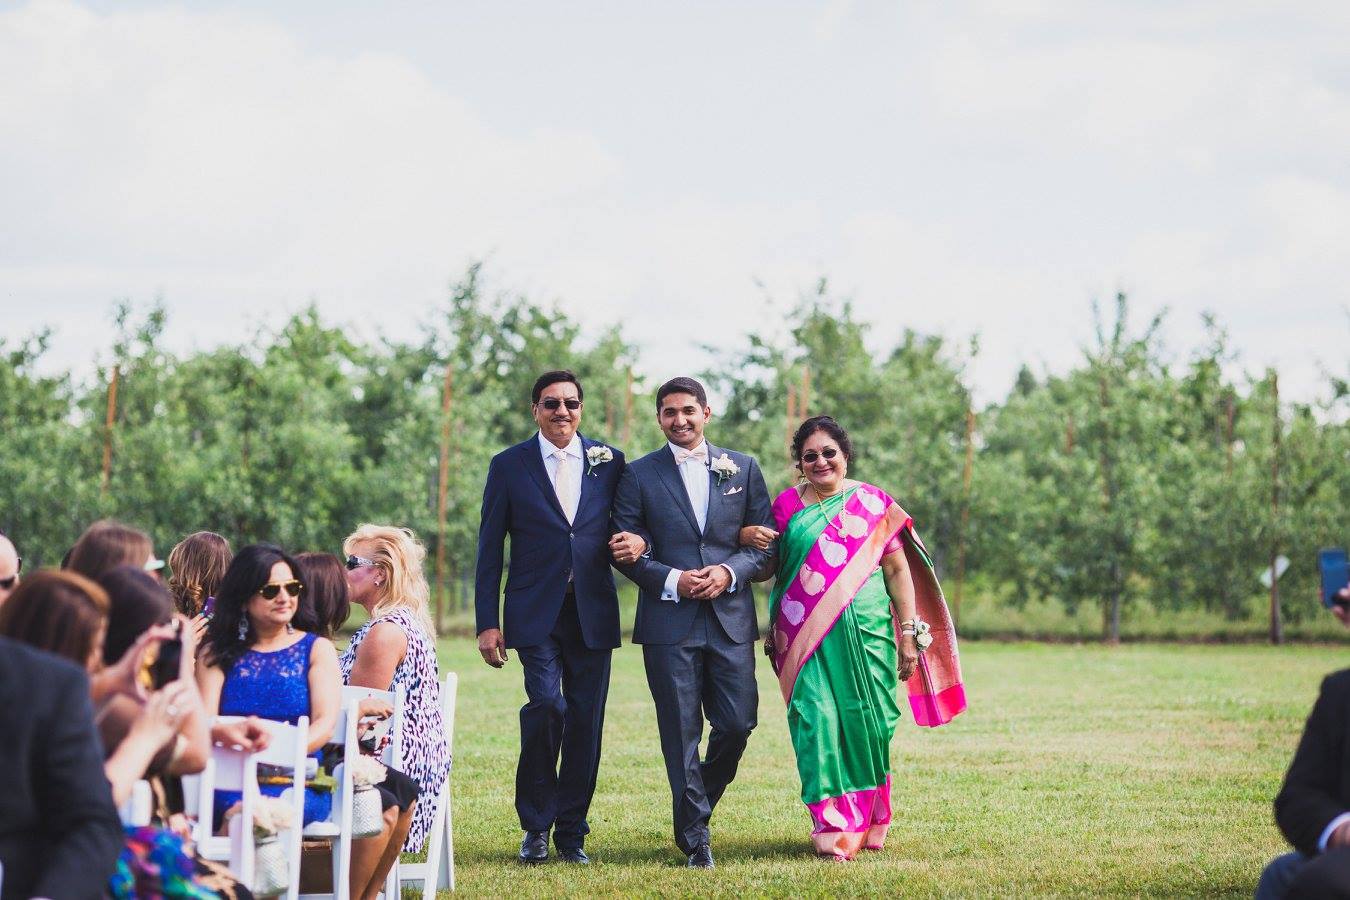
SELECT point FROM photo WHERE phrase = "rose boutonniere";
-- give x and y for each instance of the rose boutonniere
(598, 456)
(723, 468)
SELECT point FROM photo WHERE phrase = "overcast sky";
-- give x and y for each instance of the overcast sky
(959, 168)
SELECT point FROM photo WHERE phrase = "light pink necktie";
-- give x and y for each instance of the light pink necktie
(683, 456)
(562, 485)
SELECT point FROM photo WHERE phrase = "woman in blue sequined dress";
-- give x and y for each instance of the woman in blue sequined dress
(259, 664)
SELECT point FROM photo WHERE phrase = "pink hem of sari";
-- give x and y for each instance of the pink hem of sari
(849, 823)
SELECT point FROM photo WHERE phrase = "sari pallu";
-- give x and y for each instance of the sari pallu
(835, 656)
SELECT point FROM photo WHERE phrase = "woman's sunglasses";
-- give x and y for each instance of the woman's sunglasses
(270, 590)
(811, 456)
(359, 562)
(553, 403)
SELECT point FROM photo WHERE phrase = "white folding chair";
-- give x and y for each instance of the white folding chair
(347, 730)
(236, 770)
(439, 869)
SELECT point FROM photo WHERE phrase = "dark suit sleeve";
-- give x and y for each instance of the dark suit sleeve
(81, 820)
(646, 573)
(1311, 795)
(493, 523)
(748, 561)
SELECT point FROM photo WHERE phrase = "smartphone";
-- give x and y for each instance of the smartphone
(164, 661)
(1335, 566)
(209, 608)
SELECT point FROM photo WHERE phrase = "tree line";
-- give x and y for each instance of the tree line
(1130, 475)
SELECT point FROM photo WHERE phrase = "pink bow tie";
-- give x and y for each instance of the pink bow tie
(683, 456)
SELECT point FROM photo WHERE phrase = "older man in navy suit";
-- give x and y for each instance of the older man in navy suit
(552, 495)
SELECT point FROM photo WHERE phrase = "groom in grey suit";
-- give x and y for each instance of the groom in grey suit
(679, 511)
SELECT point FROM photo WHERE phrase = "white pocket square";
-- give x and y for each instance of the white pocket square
(734, 490)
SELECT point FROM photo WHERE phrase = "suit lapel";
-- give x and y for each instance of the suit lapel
(588, 485)
(670, 476)
(534, 464)
(715, 498)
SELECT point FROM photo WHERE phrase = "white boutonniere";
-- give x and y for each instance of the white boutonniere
(723, 468)
(598, 456)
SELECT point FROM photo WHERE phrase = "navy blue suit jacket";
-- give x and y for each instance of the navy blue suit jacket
(519, 500)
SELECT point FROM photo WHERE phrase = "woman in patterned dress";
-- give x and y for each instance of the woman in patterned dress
(397, 647)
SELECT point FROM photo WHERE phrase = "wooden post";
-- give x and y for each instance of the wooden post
(109, 423)
(966, 476)
(789, 422)
(804, 398)
(1276, 626)
(443, 488)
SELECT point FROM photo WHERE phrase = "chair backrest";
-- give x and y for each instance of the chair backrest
(235, 770)
(393, 755)
(439, 869)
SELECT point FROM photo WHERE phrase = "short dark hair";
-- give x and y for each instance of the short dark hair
(136, 601)
(59, 612)
(554, 377)
(324, 605)
(826, 424)
(681, 385)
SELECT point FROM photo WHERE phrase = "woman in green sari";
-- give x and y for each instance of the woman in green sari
(855, 610)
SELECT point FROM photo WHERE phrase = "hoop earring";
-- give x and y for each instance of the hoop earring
(243, 628)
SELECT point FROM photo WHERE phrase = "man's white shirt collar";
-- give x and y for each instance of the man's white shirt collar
(677, 450)
(548, 448)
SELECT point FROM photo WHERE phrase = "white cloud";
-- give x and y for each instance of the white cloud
(1010, 164)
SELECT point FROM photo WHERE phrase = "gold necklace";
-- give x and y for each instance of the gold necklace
(820, 501)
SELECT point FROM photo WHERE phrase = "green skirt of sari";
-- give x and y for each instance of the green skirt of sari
(844, 708)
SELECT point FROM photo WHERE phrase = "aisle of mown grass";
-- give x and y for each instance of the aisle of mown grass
(1142, 769)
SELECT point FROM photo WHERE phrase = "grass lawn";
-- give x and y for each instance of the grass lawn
(1079, 769)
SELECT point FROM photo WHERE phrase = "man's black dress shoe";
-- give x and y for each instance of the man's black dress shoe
(534, 849)
(574, 855)
(701, 858)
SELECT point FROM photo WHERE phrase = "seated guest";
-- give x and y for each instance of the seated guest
(323, 608)
(257, 663)
(1313, 806)
(384, 575)
(67, 615)
(197, 563)
(10, 563)
(106, 545)
(59, 831)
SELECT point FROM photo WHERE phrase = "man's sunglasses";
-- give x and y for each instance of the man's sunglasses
(552, 403)
(270, 590)
(7, 583)
(359, 562)
(811, 456)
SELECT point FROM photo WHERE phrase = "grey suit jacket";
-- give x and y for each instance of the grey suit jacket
(651, 501)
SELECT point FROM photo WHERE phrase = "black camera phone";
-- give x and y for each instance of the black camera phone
(168, 660)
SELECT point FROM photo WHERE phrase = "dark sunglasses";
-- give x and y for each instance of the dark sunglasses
(7, 583)
(270, 590)
(359, 562)
(553, 403)
(811, 456)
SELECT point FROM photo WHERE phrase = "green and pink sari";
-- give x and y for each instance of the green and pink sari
(835, 655)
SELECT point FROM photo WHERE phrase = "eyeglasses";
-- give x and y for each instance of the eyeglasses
(811, 456)
(359, 562)
(7, 583)
(270, 590)
(552, 403)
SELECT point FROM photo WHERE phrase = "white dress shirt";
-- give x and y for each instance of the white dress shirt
(694, 474)
(572, 458)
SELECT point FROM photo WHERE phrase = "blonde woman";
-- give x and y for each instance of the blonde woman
(397, 647)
